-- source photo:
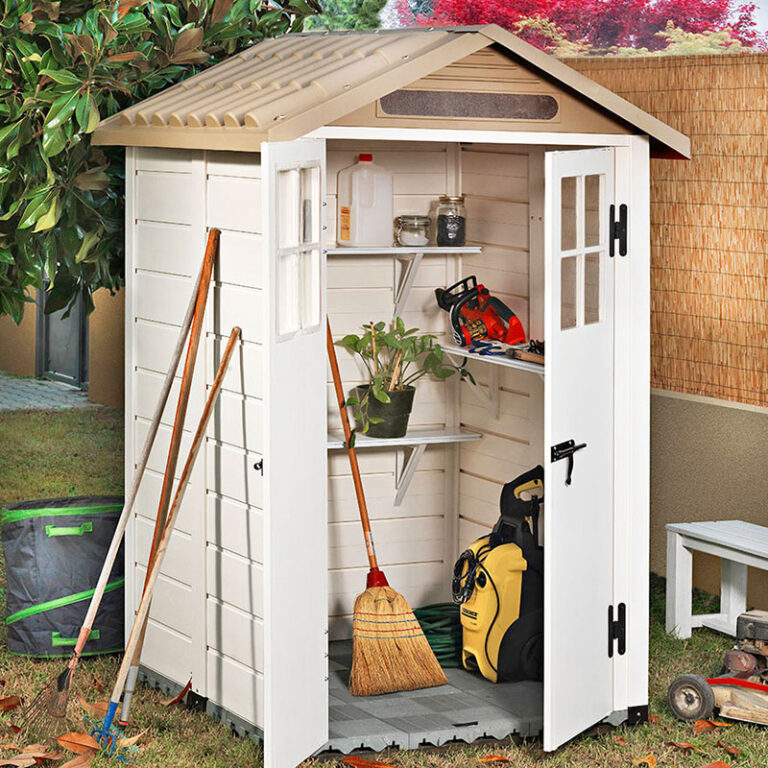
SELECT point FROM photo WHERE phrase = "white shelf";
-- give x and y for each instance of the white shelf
(502, 360)
(400, 250)
(413, 438)
(416, 440)
(410, 261)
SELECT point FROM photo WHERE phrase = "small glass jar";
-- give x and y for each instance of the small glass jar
(451, 221)
(412, 230)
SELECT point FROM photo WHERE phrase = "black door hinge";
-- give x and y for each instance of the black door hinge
(617, 629)
(566, 450)
(618, 231)
(259, 466)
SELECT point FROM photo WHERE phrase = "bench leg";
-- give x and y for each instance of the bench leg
(679, 586)
(733, 592)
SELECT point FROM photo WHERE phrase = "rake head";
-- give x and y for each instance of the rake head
(46, 714)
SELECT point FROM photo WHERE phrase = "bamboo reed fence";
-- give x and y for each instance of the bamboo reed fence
(709, 219)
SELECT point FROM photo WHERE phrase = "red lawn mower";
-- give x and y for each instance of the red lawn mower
(741, 691)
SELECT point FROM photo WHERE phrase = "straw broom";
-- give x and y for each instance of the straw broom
(389, 650)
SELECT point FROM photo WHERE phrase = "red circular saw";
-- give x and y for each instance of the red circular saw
(476, 315)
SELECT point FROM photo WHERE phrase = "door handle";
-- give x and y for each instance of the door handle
(565, 450)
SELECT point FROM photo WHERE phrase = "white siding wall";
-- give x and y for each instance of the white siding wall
(499, 204)
(410, 539)
(206, 619)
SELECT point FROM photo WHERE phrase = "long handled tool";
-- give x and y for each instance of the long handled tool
(389, 651)
(49, 708)
(211, 250)
(105, 735)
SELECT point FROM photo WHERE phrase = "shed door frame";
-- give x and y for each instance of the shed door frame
(295, 459)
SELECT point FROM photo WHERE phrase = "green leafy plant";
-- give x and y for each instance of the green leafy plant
(348, 14)
(395, 358)
(66, 66)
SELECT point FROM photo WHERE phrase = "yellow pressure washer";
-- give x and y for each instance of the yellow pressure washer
(499, 583)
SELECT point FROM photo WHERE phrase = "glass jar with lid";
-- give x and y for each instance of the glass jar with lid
(412, 230)
(451, 221)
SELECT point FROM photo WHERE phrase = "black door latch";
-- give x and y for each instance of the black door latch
(259, 466)
(566, 450)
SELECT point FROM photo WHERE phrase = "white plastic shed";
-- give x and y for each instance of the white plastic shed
(268, 555)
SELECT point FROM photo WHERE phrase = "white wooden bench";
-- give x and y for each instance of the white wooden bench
(738, 544)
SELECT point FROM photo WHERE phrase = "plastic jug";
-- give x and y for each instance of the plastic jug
(365, 215)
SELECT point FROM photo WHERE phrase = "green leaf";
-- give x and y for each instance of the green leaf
(61, 76)
(380, 395)
(90, 239)
(54, 141)
(49, 219)
(34, 210)
(6, 257)
(61, 110)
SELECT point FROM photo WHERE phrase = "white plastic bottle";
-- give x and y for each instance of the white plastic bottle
(365, 215)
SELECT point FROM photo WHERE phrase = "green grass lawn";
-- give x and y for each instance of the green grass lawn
(79, 452)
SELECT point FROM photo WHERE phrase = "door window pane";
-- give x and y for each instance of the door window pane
(287, 209)
(592, 264)
(310, 280)
(592, 205)
(568, 291)
(310, 205)
(287, 294)
(568, 224)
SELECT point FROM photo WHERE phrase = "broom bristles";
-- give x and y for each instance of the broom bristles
(390, 652)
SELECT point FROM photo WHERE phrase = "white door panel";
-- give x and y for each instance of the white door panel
(579, 407)
(295, 471)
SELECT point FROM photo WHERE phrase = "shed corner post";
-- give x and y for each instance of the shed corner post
(633, 449)
(130, 356)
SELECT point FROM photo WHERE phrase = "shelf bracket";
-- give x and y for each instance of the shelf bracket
(409, 266)
(407, 473)
(492, 400)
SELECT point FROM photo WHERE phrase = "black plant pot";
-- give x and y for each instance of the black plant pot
(395, 414)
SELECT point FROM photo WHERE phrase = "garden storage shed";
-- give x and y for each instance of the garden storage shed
(268, 549)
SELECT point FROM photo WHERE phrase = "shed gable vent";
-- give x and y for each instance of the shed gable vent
(490, 106)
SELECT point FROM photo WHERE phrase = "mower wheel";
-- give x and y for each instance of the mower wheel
(691, 698)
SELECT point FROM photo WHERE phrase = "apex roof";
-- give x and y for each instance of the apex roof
(283, 88)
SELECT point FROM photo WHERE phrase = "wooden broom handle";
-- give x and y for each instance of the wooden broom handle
(154, 566)
(351, 452)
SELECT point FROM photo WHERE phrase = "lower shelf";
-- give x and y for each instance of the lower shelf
(466, 709)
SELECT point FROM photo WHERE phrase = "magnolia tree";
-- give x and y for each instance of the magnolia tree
(599, 26)
(65, 66)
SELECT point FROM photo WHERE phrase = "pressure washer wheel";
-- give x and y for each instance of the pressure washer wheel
(691, 698)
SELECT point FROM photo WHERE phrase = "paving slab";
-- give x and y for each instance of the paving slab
(18, 394)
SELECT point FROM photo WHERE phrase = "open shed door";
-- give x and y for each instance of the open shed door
(294, 465)
(578, 527)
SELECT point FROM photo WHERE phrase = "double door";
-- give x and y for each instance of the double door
(579, 411)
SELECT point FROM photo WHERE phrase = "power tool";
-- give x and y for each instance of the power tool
(476, 315)
(499, 583)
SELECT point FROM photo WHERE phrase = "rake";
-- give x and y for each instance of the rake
(105, 735)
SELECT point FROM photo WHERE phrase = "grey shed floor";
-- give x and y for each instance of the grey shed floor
(466, 709)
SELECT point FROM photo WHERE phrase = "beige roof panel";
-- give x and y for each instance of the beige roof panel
(284, 88)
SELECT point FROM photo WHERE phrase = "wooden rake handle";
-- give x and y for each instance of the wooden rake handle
(351, 452)
(173, 512)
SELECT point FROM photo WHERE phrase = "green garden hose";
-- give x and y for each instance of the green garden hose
(442, 626)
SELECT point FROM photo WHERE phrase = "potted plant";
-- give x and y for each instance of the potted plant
(395, 358)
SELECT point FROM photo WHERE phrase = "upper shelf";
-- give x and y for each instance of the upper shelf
(505, 362)
(400, 250)
(410, 259)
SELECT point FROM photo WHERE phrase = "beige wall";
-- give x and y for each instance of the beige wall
(106, 354)
(709, 461)
(17, 343)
